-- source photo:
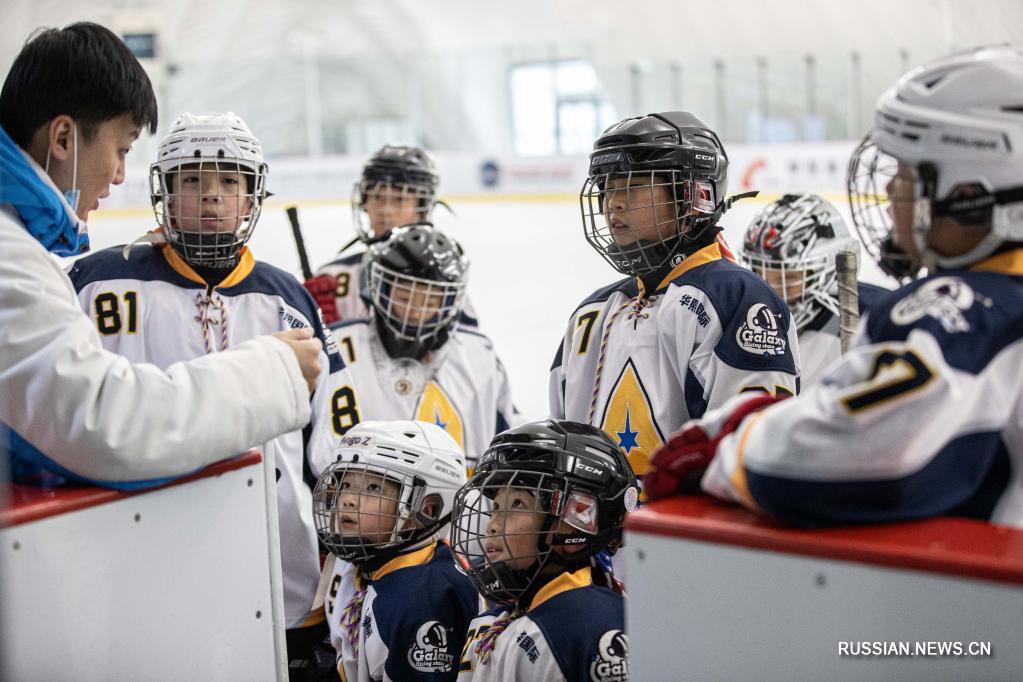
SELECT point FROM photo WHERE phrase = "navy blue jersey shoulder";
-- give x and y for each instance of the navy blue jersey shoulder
(754, 320)
(972, 315)
(409, 599)
(870, 296)
(272, 281)
(967, 477)
(144, 263)
(627, 286)
(573, 623)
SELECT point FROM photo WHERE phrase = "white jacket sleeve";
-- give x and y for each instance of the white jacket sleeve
(99, 416)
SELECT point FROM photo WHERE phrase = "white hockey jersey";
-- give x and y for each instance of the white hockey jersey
(414, 616)
(347, 271)
(712, 329)
(154, 308)
(462, 387)
(573, 631)
(923, 417)
(819, 341)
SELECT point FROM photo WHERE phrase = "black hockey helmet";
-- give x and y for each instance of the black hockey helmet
(415, 282)
(677, 171)
(582, 484)
(403, 171)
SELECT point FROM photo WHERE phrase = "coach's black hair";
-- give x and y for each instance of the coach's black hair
(83, 71)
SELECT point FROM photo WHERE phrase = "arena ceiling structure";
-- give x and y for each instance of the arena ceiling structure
(341, 77)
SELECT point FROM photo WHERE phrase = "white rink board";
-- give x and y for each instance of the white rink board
(97, 595)
(706, 611)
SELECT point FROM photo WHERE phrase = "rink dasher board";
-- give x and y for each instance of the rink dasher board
(165, 585)
(709, 611)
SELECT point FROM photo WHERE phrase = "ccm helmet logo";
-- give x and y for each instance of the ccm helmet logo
(706, 160)
(586, 468)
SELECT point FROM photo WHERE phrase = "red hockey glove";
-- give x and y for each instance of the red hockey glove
(324, 291)
(679, 464)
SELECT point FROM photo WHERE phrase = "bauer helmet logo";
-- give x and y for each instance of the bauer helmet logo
(208, 139)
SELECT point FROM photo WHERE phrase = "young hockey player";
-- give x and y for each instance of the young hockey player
(793, 244)
(687, 328)
(398, 187)
(544, 500)
(195, 289)
(923, 416)
(384, 507)
(412, 359)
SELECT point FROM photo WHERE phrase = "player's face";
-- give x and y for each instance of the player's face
(415, 303)
(639, 208)
(512, 529)
(213, 198)
(391, 206)
(100, 162)
(789, 284)
(901, 198)
(367, 506)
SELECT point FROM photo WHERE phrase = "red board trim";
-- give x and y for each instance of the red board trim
(25, 504)
(951, 546)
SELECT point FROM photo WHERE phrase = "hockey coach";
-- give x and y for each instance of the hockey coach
(73, 102)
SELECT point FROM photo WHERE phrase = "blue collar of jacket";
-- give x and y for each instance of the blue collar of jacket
(40, 205)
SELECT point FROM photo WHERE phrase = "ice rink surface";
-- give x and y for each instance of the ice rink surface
(530, 267)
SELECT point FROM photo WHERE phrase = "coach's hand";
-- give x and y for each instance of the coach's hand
(324, 291)
(678, 465)
(307, 350)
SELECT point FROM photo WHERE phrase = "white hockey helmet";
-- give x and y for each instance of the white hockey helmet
(793, 243)
(402, 471)
(957, 123)
(210, 231)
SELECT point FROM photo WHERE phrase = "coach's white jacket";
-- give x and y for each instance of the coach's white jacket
(103, 418)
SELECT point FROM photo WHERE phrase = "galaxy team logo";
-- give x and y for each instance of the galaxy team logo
(760, 334)
(429, 653)
(612, 661)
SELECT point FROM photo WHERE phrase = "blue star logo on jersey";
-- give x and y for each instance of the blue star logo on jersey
(437, 420)
(627, 438)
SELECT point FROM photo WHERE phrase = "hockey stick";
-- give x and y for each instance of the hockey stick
(848, 297)
(296, 231)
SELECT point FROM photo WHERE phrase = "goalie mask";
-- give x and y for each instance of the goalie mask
(390, 490)
(207, 186)
(398, 187)
(792, 244)
(947, 143)
(656, 184)
(415, 282)
(544, 498)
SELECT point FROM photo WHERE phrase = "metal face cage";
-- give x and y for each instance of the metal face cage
(414, 309)
(362, 510)
(637, 220)
(378, 207)
(207, 208)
